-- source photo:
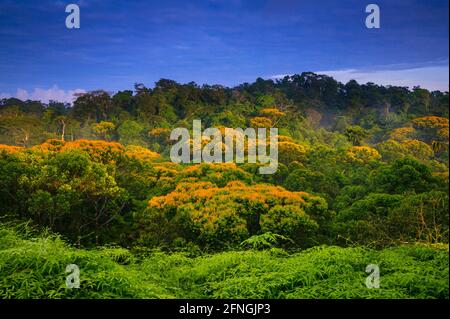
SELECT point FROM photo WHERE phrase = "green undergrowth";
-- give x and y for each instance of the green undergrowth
(33, 266)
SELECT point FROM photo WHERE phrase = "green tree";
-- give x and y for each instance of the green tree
(104, 130)
(404, 176)
(356, 134)
(130, 132)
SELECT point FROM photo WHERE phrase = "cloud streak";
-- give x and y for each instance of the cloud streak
(429, 77)
(44, 95)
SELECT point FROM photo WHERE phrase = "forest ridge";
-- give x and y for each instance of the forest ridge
(361, 166)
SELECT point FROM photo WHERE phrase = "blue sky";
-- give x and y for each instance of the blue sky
(217, 41)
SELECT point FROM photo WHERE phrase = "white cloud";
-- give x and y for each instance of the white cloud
(429, 77)
(4, 95)
(278, 76)
(45, 95)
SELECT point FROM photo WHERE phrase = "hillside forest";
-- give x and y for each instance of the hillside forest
(362, 179)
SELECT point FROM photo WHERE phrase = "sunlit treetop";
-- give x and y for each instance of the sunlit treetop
(260, 122)
(101, 151)
(10, 149)
(103, 129)
(98, 150)
(235, 191)
(430, 122)
(402, 133)
(290, 151)
(141, 153)
(443, 133)
(272, 113)
(362, 154)
(284, 138)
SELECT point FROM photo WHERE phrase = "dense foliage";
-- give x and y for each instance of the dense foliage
(33, 267)
(359, 165)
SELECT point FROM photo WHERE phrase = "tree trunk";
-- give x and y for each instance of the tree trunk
(63, 129)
